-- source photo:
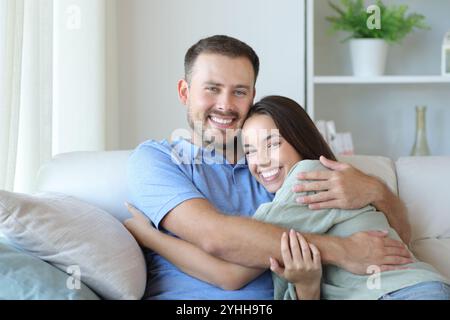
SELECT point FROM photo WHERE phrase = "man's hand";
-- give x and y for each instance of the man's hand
(345, 187)
(365, 249)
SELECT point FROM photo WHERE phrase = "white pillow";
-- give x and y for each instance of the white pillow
(67, 232)
(423, 183)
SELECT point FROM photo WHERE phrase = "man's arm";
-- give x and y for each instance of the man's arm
(348, 188)
(251, 243)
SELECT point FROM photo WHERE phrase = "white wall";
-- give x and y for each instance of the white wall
(382, 117)
(154, 36)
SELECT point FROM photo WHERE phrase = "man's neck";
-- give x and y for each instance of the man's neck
(233, 152)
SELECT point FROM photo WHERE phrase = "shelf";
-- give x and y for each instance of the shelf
(380, 80)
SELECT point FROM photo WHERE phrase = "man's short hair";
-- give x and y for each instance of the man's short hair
(220, 44)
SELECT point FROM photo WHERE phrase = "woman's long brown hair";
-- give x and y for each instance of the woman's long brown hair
(295, 126)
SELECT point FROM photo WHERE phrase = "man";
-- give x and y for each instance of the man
(206, 196)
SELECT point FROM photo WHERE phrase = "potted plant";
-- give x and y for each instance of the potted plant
(372, 30)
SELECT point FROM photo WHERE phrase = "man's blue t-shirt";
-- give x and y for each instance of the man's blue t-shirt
(162, 175)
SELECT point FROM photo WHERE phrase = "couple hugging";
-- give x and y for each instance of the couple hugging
(265, 212)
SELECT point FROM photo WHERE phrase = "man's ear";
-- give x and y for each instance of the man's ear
(183, 91)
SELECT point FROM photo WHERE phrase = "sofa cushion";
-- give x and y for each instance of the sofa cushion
(25, 277)
(423, 186)
(380, 167)
(72, 174)
(434, 252)
(65, 232)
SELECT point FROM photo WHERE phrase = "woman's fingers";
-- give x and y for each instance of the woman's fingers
(295, 246)
(275, 267)
(317, 260)
(132, 209)
(285, 250)
(306, 252)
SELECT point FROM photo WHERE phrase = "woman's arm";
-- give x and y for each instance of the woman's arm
(187, 257)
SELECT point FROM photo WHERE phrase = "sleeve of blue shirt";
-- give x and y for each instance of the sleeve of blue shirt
(156, 184)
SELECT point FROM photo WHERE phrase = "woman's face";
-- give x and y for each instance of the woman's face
(269, 156)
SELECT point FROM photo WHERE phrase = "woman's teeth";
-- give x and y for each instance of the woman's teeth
(269, 175)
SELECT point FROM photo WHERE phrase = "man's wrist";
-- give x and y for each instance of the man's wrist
(380, 194)
(335, 253)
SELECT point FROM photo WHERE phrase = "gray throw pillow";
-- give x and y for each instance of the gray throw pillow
(25, 277)
(78, 238)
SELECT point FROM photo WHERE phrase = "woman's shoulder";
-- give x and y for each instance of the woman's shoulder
(306, 166)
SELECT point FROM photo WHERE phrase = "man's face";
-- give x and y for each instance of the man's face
(218, 97)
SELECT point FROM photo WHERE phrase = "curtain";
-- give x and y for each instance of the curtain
(25, 91)
(58, 83)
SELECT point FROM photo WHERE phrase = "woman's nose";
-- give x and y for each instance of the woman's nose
(263, 158)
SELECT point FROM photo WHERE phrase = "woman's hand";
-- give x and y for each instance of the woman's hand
(139, 225)
(302, 265)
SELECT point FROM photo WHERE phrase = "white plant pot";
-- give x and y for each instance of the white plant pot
(368, 57)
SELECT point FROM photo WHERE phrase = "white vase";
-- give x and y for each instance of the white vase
(368, 57)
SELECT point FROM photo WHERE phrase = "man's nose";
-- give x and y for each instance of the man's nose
(226, 102)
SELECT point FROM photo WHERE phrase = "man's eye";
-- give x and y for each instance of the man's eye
(212, 89)
(240, 93)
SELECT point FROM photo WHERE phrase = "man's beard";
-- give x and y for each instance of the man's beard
(220, 139)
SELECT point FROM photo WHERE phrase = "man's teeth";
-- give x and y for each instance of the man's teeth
(270, 174)
(221, 121)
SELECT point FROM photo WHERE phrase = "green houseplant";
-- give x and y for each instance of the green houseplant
(371, 30)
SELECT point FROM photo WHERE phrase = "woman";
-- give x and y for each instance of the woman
(280, 141)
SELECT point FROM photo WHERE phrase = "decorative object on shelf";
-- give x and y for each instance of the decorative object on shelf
(340, 143)
(446, 55)
(420, 147)
(372, 29)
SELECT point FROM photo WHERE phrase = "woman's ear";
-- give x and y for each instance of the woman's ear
(183, 91)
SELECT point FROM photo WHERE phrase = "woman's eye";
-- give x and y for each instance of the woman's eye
(274, 145)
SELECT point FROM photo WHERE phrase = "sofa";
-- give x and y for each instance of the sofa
(87, 191)
(99, 178)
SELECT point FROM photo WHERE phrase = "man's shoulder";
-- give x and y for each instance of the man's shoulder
(158, 146)
(178, 152)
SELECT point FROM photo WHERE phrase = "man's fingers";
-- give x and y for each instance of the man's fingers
(384, 268)
(388, 242)
(333, 165)
(378, 233)
(285, 250)
(396, 260)
(315, 175)
(312, 186)
(316, 198)
(295, 246)
(397, 251)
